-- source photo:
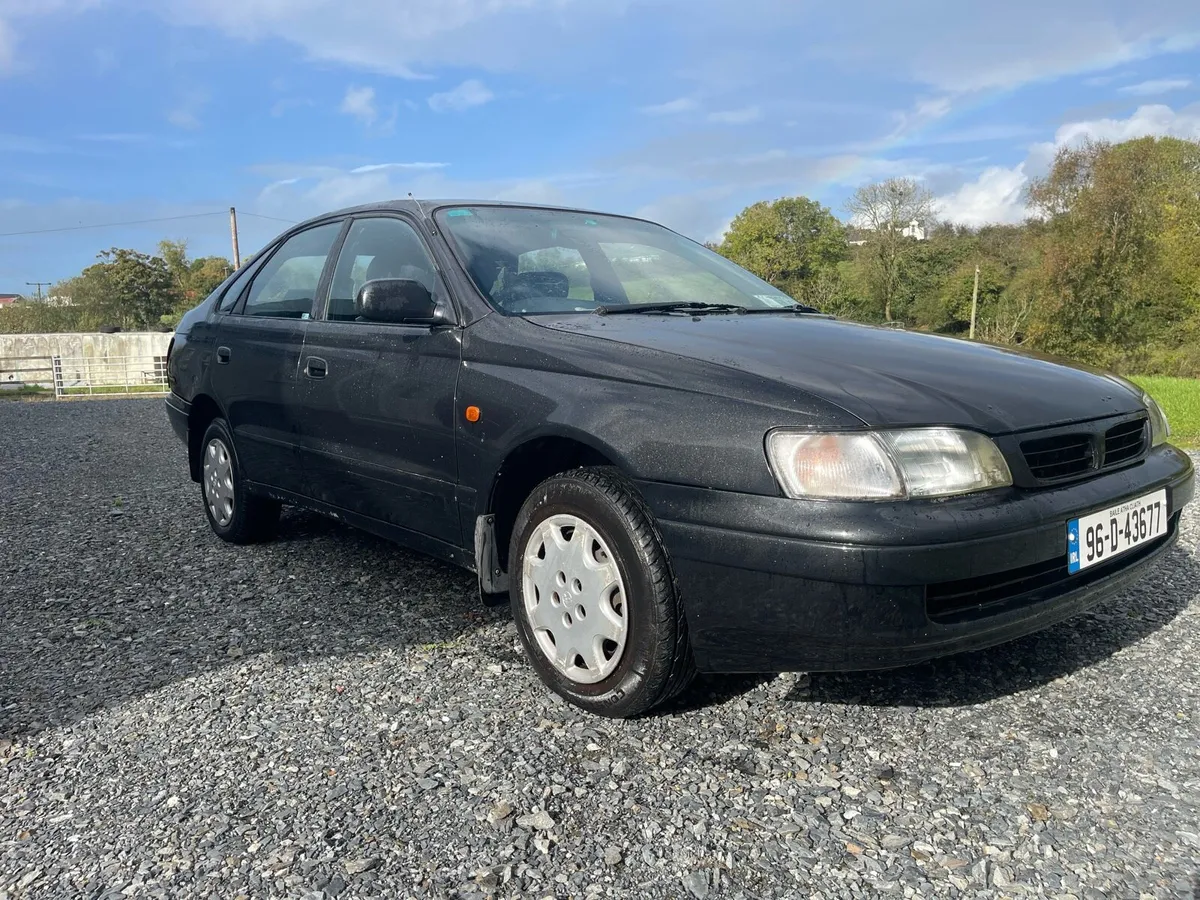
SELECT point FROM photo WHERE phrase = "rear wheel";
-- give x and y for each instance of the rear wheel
(233, 513)
(594, 597)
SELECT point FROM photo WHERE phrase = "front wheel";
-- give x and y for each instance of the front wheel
(594, 596)
(234, 514)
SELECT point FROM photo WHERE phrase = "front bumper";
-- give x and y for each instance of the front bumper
(773, 584)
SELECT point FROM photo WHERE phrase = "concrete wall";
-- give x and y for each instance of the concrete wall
(124, 357)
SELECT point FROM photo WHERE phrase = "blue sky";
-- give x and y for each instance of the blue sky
(684, 111)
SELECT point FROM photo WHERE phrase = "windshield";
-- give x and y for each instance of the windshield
(531, 261)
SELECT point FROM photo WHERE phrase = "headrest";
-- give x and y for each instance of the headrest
(385, 266)
(540, 284)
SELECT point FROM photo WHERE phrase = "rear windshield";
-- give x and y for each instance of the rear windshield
(529, 261)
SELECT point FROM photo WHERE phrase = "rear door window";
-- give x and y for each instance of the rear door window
(286, 287)
(234, 293)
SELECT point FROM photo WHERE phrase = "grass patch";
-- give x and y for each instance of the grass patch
(1180, 400)
(26, 391)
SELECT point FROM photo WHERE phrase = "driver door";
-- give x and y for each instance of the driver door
(378, 427)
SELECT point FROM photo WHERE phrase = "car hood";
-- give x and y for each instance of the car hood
(883, 376)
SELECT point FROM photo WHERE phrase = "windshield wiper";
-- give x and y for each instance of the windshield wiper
(798, 308)
(678, 305)
(696, 306)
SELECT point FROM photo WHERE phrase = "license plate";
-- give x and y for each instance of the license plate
(1116, 530)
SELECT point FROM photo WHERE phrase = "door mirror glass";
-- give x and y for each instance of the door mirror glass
(396, 300)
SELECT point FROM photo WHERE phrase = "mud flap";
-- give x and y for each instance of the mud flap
(493, 580)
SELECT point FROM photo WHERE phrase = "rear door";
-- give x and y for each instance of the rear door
(379, 398)
(255, 363)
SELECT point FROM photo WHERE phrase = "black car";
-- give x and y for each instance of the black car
(667, 464)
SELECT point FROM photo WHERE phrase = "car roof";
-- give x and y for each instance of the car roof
(423, 207)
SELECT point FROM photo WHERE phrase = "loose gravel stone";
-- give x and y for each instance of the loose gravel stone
(327, 715)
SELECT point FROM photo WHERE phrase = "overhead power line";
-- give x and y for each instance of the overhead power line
(110, 224)
(261, 216)
(135, 222)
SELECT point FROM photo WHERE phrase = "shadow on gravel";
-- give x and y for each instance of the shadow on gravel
(711, 690)
(85, 628)
(1029, 662)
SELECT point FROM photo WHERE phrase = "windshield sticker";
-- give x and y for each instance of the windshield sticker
(776, 300)
(460, 212)
(590, 222)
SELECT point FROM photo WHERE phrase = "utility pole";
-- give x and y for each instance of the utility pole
(39, 285)
(237, 253)
(975, 303)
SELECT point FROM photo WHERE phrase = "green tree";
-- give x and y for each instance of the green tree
(1119, 249)
(885, 210)
(32, 317)
(126, 288)
(794, 243)
(194, 279)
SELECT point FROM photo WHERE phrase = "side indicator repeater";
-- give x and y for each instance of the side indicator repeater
(473, 413)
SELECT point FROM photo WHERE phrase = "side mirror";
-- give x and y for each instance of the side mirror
(398, 300)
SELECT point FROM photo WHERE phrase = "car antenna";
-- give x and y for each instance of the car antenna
(421, 210)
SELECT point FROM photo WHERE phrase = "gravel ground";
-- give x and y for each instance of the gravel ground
(330, 716)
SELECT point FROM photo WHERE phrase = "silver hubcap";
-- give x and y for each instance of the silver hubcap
(218, 482)
(574, 599)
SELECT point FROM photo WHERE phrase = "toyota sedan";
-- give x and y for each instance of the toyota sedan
(663, 463)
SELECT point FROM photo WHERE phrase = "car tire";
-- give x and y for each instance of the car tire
(598, 607)
(234, 514)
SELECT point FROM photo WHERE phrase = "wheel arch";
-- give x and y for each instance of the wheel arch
(530, 463)
(204, 409)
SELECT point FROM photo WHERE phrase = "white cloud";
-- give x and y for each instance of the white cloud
(996, 196)
(1156, 119)
(410, 166)
(404, 37)
(999, 194)
(1102, 80)
(114, 137)
(12, 11)
(924, 111)
(671, 107)
(736, 116)
(1155, 87)
(961, 47)
(297, 192)
(359, 102)
(471, 92)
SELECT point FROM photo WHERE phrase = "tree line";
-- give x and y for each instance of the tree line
(124, 290)
(1106, 270)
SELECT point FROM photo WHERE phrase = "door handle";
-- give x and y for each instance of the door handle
(315, 367)
(223, 354)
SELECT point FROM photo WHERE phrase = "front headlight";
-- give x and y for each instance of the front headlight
(885, 465)
(1160, 428)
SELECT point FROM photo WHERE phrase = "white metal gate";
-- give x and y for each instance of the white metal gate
(85, 376)
(109, 375)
